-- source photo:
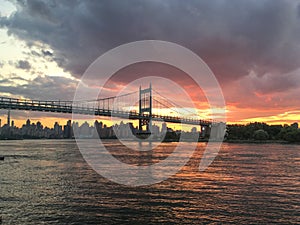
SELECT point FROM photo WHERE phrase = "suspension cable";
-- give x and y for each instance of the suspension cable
(175, 104)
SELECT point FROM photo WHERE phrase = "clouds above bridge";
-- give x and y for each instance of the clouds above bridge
(254, 45)
(234, 37)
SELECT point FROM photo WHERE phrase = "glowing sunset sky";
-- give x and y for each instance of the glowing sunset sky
(253, 48)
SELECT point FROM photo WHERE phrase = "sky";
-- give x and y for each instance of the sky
(252, 47)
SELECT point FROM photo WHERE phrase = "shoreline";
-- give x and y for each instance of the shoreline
(170, 140)
(259, 142)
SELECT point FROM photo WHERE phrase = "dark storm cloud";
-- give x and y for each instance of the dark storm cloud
(47, 53)
(23, 64)
(234, 37)
(11, 80)
(41, 88)
(290, 81)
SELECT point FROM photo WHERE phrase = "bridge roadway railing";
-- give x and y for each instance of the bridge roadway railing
(70, 107)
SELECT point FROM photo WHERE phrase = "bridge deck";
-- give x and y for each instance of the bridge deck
(70, 107)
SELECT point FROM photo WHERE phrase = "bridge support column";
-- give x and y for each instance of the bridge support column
(215, 131)
(145, 110)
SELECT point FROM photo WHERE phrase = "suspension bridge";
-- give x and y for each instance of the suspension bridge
(149, 106)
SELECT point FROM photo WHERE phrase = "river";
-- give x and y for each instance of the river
(49, 182)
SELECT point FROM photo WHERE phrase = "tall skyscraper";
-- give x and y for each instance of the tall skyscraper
(28, 122)
(8, 118)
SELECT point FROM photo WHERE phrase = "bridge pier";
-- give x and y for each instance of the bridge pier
(214, 131)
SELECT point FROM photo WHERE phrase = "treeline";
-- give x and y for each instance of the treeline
(263, 132)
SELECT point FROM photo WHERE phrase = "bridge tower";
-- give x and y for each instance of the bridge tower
(145, 109)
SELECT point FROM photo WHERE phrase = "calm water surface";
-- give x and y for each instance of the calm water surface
(48, 182)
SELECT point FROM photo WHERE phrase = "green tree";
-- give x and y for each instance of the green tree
(290, 134)
(260, 135)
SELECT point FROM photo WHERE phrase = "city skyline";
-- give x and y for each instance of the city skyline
(253, 132)
(85, 129)
(49, 123)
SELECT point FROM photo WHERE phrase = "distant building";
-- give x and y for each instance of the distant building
(155, 130)
(57, 130)
(8, 118)
(67, 133)
(84, 130)
(164, 128)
